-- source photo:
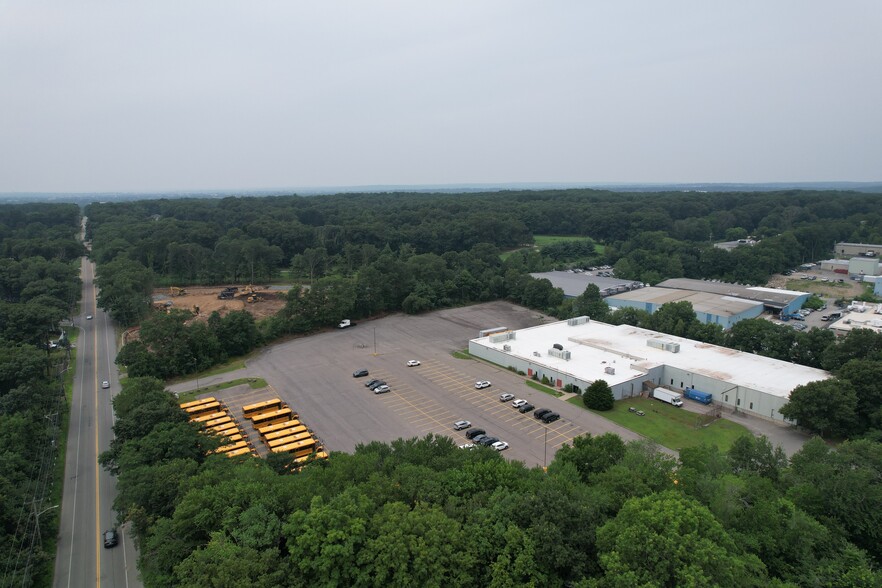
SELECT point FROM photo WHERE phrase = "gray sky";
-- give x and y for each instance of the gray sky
(161, 95)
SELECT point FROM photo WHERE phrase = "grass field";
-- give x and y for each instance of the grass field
(253, 383)
(672, 427)
(540, 241)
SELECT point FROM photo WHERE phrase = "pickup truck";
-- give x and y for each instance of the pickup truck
(345, 323)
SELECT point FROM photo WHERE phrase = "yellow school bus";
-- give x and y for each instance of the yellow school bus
(272, 417)
(278, 427)
(197, 402)
(241, 451)
(219, 421)
(294, 447)
(288, 440)
(204, 408)
(208, 417)
(283, 433)
(251, 409)
(231, 447)
(230, 428)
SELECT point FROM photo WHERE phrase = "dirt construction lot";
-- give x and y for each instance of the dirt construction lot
(314, 376)
(270, 302)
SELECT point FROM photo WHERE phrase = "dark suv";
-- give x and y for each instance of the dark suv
(526, 408)
(376, 385)
(110, 538)
(550, 417)
(487, 441)
(541, 412)
(472, 433)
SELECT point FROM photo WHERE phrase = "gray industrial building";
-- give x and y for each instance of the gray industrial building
(716, 303)
(848, 250)
(632, 361)
(573, 283)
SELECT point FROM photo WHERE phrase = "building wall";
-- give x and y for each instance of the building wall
(796, 304)
(852, 249)
(867, 266)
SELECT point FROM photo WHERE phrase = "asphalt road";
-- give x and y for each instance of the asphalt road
(87, 499)
(314, 376)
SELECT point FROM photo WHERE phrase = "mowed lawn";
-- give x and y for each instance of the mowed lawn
(540, 241)
(672, 427)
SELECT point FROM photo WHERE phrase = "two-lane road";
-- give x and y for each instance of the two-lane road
(87, 500)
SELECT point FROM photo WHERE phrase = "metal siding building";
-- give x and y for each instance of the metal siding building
(709, 308)
(573, 284)
(631, 359)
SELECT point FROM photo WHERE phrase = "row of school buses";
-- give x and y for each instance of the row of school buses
(277, 425)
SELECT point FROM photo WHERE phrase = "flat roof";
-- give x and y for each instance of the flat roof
(574, 283)
(770, 296)
(595, 346)
(701, 301)
(860, 320)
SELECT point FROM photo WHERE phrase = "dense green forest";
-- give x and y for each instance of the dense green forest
(39, 287)
(364, 255)
(422, 512)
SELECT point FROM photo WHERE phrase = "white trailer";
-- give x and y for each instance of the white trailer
(668, 396)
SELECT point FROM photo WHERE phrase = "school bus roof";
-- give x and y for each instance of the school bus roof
(257, 406)
(208, 417)
(197, 402)
(294, 446)
(278, 426)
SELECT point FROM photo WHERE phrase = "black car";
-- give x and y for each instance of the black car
(478, 438)
(359, 373)
(377, 384)
(474, 432)
(550, 417)
(526, 408)
(541, 412)
(487, 440)
(370, 383)
(110, 538)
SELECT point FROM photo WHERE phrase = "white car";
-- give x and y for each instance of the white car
(482, 384)
(500, 446)
(105, 384)
(518, 403)
(467, 446)
(381, 389)
(413, 363)
(88, 317)
(505, 397)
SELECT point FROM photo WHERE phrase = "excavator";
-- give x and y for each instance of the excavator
(175, 291)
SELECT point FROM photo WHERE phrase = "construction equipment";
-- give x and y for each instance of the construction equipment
(175, 291)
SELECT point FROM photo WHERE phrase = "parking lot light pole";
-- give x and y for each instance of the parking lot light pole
(545, 455)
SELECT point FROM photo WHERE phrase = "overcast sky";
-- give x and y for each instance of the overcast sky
(162, 95)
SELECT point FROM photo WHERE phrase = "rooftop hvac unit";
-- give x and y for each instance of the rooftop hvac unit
(560, 353)
(664, 345)
(672, 347)
(610, 370)
(506, 347)
(579, 320)
(558, 346)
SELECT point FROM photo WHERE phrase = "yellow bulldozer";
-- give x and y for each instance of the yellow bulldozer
(175, 291)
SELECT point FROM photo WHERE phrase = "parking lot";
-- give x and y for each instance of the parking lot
(314, 376)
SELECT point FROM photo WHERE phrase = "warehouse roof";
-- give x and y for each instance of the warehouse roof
(595, 346)
(574, 283)
(701, 301)
(771, 297)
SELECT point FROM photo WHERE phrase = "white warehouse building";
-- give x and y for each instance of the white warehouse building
(633, 361)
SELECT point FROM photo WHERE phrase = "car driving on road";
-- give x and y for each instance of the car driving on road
(105, 384)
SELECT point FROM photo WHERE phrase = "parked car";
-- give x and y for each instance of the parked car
(467, 446)
(105, 384)
(500, 446)
(88, 317)
(641, 413)
(505, 397)
(460, 425)
(370, 383)
(413, 363)
(632, 409)
(519, 403)
(482, 384)
(478, 438)
(487, 441)
(359, 373)
(550, 417)
(382, 389)
(377, 384)
(472, 433)
(526, 408)
(111, 538)
(541, 412)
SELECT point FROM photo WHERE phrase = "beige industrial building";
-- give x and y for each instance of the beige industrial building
(632, 361)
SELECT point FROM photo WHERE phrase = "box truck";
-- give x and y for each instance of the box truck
(698, 395)
(668, 396)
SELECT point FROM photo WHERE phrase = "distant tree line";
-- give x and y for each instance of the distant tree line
(422, 512)
(39, 287)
